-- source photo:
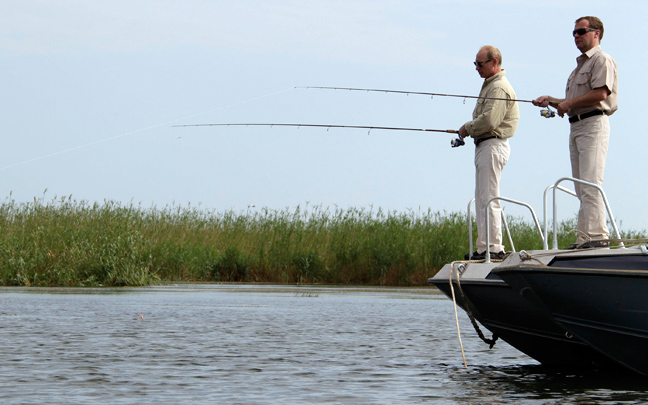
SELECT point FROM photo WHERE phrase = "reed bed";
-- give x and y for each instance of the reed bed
(65, 242)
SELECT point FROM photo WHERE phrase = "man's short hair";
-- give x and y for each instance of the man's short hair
(493, 53)
(594, 22)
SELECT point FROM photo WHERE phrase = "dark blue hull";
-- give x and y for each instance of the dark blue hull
(521, 324)
(605, 308)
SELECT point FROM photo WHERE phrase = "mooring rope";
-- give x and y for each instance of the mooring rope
(454, 301)
(490, 342)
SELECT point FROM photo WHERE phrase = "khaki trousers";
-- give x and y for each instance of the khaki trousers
(490, 158)
(588, 145)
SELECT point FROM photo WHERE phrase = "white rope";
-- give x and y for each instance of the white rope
(454, 301)
(141, 130)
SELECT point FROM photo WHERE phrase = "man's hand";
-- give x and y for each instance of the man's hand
(462, 131)
(563, 108)
(541, 101)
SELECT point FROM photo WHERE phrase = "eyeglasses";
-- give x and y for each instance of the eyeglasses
(583, 31)
(480, 64)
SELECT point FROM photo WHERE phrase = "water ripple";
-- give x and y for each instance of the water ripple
(267, 344)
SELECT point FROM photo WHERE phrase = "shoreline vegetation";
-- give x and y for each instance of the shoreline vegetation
(64, 242)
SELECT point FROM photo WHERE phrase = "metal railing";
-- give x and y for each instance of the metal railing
(535, 219)
(555, 208)
(544, 235)
(545, 244)
(508, 232)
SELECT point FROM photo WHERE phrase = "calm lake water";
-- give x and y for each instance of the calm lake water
(268, 344)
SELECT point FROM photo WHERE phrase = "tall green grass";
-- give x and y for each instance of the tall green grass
(65, 242)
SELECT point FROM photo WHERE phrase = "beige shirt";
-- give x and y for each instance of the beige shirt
(594, 69)
(494, 117)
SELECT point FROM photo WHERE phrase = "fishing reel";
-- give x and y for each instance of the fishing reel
(455, 143)
(547, 113)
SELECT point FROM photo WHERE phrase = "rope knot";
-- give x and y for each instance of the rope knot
(524, 255)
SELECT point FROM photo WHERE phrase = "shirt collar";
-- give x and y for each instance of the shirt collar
(590, 53)
(495, 76)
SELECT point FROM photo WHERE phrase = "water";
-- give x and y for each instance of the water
(268, 344)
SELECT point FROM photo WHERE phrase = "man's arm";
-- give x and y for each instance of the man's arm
(592, 97)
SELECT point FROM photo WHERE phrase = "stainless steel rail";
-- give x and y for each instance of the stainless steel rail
(544, 235)
(605, 201)
(535, 219)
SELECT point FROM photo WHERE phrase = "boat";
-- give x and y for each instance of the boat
(566, 330)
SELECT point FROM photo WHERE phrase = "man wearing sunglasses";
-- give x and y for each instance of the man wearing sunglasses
(495, 119)
(591, 96)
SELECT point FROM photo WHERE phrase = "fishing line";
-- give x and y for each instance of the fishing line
(142, 130)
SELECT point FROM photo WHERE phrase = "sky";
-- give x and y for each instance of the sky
(93, 93)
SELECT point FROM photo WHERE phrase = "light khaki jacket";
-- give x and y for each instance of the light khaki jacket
(495, 117)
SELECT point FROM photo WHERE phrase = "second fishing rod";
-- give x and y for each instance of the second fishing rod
(546, 112)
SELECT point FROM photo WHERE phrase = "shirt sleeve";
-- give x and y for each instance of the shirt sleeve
(603, 74)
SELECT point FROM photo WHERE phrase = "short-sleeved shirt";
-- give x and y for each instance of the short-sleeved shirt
(495, 117)
(595, 69)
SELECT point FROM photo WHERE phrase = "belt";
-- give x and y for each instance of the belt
(579, 117)
(480, 140)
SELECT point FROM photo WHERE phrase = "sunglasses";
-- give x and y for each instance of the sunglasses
(583, 31)
(480, 64)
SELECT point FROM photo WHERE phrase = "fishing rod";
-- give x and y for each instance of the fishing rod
(547, 113)
(454, 143)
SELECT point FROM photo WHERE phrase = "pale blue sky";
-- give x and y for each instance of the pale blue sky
(92, 90)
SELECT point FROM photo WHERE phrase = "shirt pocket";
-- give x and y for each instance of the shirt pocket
(583, 78)
(479, 107)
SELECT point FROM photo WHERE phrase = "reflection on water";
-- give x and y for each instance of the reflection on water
(264, 344)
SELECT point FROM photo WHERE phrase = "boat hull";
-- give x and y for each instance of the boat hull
(501, 310)
(605, 308)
